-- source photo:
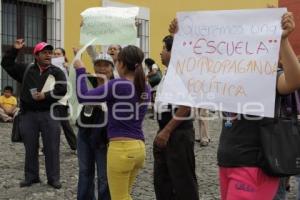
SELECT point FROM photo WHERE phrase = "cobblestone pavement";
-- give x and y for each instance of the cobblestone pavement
(12, 159)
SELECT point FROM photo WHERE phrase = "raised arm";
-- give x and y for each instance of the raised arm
(91, 50)
(84, 94)
(15, 70)
(173, 27)
(289, 81)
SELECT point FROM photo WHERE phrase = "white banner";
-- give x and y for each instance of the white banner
(109, 25)
(225, 60)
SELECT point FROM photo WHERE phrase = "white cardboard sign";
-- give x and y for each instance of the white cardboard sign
(225, 60)
(109, 25)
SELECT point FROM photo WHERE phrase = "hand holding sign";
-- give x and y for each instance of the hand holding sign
(78, 64)
(288, 24)
(173, 27)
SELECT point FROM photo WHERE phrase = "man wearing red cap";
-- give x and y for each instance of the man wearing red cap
(35, 108)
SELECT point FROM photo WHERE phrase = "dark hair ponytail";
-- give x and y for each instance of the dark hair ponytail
(132, 57)
(139, 81)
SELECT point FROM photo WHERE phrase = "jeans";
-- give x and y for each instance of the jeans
(88, 156)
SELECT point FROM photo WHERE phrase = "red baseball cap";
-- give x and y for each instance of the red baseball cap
(41, 46)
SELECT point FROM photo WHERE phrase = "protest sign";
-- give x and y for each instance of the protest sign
(109, 25)
(75, 107)
(225, 60)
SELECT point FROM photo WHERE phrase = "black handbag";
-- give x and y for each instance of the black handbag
(280, 139)
(16, 131)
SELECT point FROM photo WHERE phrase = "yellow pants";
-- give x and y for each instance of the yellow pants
(124, 160)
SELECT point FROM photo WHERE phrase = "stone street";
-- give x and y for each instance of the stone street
(12, 160)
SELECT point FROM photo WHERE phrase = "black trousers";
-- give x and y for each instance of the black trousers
(32, 123)
(174, 167)
(67, 128)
